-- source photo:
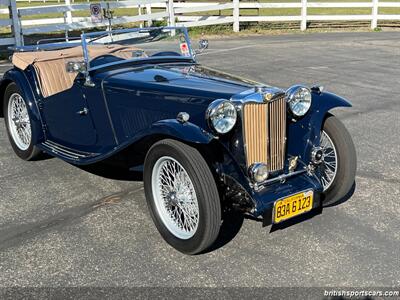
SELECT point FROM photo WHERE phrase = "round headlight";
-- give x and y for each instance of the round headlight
(221, 115)
(259, 172)
(299, 99)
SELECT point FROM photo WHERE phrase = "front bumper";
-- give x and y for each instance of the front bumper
(265, 198)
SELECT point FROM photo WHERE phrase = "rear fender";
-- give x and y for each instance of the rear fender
(20, 79)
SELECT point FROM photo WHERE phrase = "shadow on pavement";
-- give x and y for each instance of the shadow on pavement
(346, 197)
(296, 220)
(231, 224)
(112, 172)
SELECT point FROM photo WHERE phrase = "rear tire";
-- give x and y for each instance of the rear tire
(182, 196)
(346, 160)
(18, 124)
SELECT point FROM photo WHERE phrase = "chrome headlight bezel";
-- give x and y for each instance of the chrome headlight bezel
(258, 172)
(217, 111)
(299, 98)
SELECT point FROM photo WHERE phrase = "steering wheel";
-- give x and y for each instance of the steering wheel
(104, 59)
(166, 53)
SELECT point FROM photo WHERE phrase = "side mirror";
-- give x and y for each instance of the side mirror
(76, 67)
(203, 45)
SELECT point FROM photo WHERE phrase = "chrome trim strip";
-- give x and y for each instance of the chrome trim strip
(60, 151)
(281, 177)
(110, 120)
(66, 151)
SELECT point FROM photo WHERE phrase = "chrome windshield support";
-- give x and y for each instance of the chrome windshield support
(88, 81)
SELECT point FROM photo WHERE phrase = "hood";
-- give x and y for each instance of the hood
(183, 79)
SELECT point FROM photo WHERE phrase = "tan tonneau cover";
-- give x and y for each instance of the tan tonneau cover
(23, 59)
(50, 65)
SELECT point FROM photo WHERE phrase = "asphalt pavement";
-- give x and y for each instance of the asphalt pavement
(61, 225)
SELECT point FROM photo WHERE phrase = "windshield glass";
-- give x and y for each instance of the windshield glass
(106, 47)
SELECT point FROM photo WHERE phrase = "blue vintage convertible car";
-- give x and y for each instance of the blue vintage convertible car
(208, 141)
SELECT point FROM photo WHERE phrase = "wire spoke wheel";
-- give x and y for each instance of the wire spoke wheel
(19, 122)
(328, 169)
(175, 197)
(182, 196)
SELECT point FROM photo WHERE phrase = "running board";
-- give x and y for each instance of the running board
(65, 152)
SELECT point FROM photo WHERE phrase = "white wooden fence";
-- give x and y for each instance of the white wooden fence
(68, 22)
(177, 13)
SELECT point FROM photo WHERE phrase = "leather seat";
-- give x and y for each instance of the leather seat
(53, 76)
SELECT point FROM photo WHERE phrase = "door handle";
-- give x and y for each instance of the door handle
(83, 112)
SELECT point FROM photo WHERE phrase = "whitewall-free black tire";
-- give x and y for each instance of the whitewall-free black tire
(182, 196)
(338, 169)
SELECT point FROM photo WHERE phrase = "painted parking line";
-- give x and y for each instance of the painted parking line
(226, 50)
(318, 67)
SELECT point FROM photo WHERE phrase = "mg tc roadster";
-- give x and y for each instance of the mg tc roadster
(207, 141)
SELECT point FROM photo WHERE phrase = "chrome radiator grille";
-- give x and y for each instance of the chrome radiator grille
(264, 131)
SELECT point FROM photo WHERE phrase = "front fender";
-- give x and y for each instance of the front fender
(20, 79)
(307, 130)
(324, 102)
(186, 132)
(218, 153)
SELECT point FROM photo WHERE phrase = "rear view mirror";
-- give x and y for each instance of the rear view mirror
(203, 45)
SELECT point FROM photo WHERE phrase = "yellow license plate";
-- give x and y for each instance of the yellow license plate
(293, 206)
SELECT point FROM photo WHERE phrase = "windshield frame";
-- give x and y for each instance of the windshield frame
(86, 39)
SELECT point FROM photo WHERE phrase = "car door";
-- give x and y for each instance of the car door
(68, 118)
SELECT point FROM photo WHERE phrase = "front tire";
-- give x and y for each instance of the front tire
(338, 168)
(182, 196)
(18, 123)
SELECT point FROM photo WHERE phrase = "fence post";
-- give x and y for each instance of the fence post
(68, 15)
(139, 14)
(171, 15)
(303, 24)
(374, 20)
(16, 25)
(236, 9)
(148, 12)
